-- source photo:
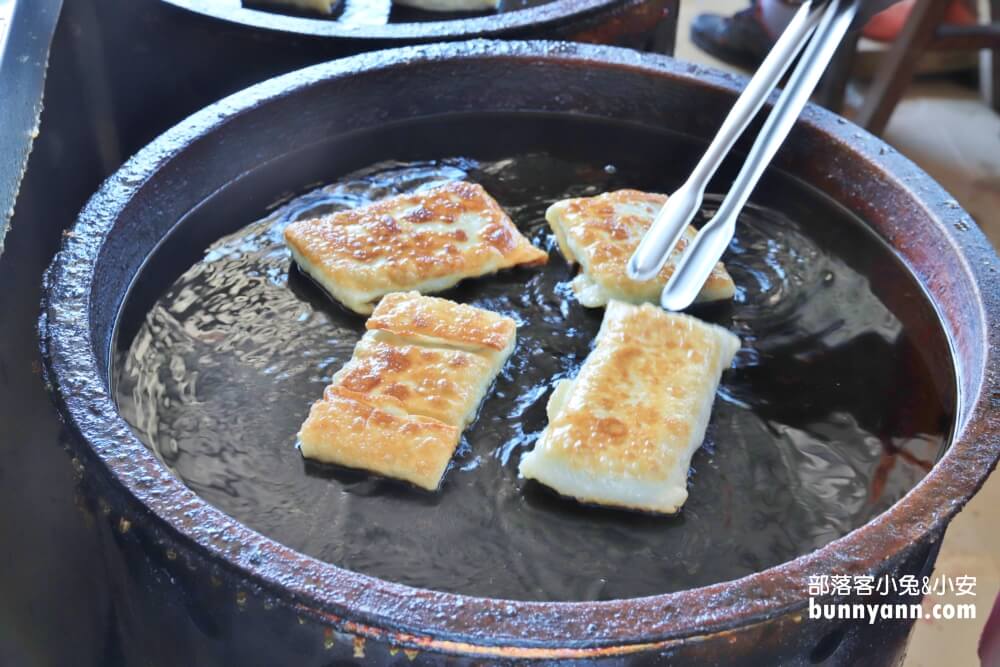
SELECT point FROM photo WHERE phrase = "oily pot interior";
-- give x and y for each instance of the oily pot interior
(834, 408)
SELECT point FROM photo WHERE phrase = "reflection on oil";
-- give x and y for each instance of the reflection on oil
(828, 417)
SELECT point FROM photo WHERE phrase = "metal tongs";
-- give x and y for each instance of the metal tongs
(826, 24)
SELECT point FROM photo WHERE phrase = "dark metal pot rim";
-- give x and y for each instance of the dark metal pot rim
(459, 624)
(480, 26)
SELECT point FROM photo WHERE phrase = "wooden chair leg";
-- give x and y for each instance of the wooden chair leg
(896, 71)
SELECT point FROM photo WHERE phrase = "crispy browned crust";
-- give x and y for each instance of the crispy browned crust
(441, 321)
(444, 384)
(399, 405)
(426, 241)
(650, 363)
(623, 431)
(350, 432)
(603, 231)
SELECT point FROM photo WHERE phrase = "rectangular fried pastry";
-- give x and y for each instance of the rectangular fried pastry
(600, 234)
(415, 381)
(441, 322)
(623, 432)
(450, 5)
(425, 241)
(321, 6)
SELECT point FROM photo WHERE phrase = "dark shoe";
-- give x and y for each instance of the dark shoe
(739, 39)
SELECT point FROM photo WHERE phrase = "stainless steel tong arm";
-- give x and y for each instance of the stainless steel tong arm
(683, 204)
(712, 240)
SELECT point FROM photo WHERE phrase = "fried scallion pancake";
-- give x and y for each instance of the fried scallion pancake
(425, 241)
(415, 381)
(600, 234)
(622, 433)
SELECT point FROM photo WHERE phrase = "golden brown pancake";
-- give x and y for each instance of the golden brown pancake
(415, 381)
(425, 241)
(623, 432)
(601, 233)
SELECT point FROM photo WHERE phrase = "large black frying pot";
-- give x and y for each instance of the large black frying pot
(194, 586)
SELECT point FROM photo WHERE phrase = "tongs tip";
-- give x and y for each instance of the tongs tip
(638, 270)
